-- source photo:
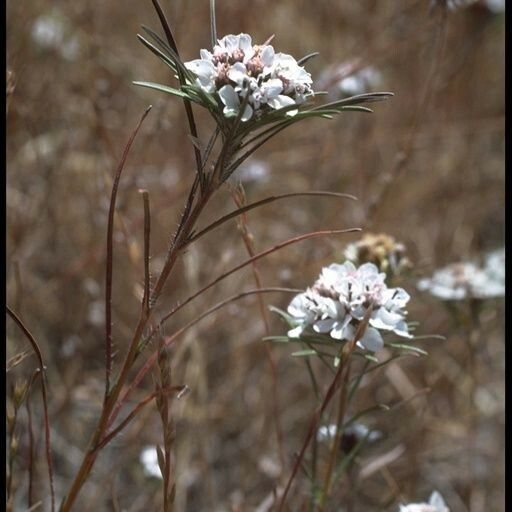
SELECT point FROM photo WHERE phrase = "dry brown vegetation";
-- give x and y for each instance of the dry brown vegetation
(427, 168)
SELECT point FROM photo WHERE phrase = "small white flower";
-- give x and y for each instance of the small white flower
(205, 72)
(149, 460)
(234, 48)
(358, 430)
(307, 308)
(238, 73)
(436, 503)
(296, 80)
(231, 103)
(270, 93)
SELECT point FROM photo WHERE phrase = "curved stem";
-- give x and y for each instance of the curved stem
(256, 204)
(110, 253)
(42, 368)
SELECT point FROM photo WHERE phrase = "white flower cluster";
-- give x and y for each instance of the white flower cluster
(339, 299)
(435, 504)
(237, 69)
(459, 281)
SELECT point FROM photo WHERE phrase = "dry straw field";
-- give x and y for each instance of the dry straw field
(426, 167)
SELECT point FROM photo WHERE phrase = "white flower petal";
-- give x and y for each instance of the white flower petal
(323, 326)
(281, 101)
(437, 501)
(205, 55)
(298, 306)
(371, 340)
(384, 319)
(267, 56)
(272, 88)
(238, 73)
(247, 113)
(296, 332)
(401, 329)
(245, 42)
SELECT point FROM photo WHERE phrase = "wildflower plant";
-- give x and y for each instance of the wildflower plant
(252, 93)
(349, 311)
(467, 289)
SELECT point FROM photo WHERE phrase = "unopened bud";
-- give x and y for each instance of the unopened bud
(11, 417)
(18, 395)
(14, 445)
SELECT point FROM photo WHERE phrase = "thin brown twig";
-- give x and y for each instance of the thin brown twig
(134, 412)
(110, 254)
(147, 237)
(256, 204)
(238, 195)
(30, 433)
(111, 395)
(42, 369)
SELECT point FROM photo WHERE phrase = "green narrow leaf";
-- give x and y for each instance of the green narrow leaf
(371, 358)
(277, 339)
(364, 412)
(411, 348)
(166, 89)
(161, 55)
(430, 337)
(304, 353)
(289, 319)
(356, 108)
(356, 100)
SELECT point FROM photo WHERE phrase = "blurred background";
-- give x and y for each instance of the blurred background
(427, 167)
